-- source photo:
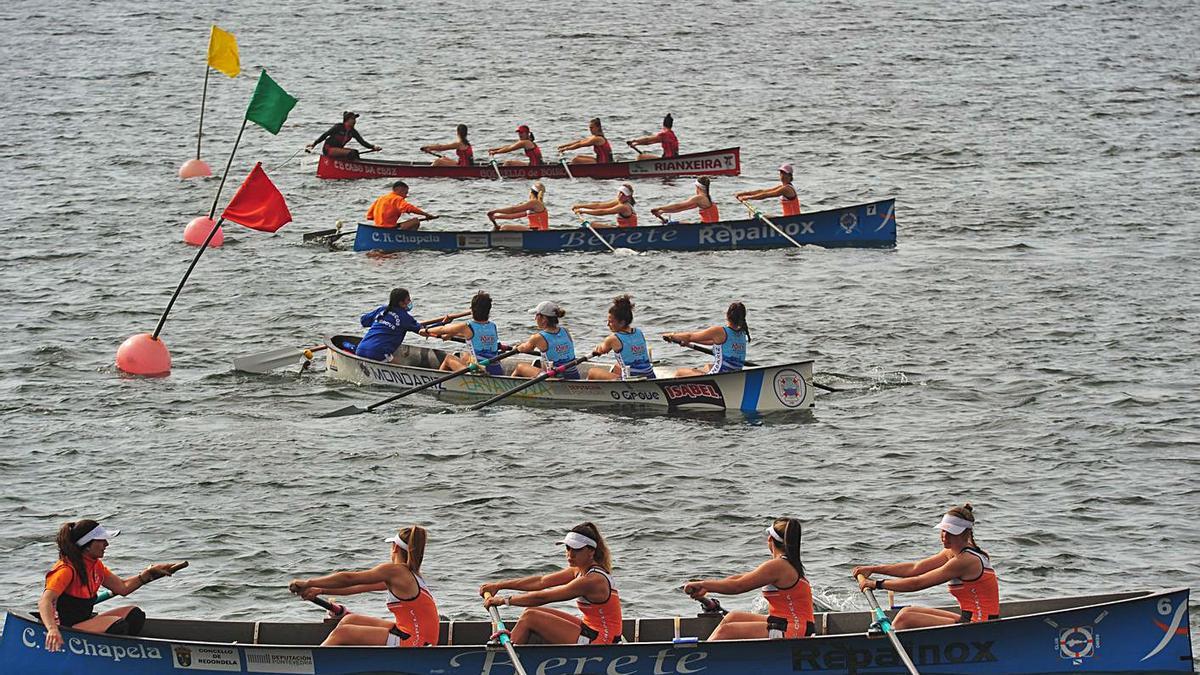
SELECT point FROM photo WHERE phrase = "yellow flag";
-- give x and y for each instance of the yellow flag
(223, 53)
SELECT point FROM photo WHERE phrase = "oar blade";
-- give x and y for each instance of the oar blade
(319, 234)
(344, 412)
(265, 362)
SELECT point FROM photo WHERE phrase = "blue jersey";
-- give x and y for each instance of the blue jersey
(386, 327)
(730, 356)
(485, 344)
(559, 350)
(634, 356)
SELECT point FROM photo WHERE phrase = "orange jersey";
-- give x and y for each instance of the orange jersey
(978, 598)
(75, 595)
(539, 220)
(711, 214)
(602, 617)
(388, 208)
(793, 603)
(623, 221)
(416, 616)
(791, 207)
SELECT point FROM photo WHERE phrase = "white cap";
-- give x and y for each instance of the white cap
(576, 540)
(786, 167)
(773, 534)
(546, 308)
(954, 524)
(626, 189)
(397, 541)
(98, 532)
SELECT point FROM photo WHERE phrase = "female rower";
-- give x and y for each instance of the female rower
(627, 342)
(702, 200)
(552, 340)
(788, 199)
(621, 207)
(386, 326)
(461, 147)
(666, 138)
(961, 563)
(525, 141)
(783, 584)
(74, 582)
(415, 614)
(336, 138)
(728, 342)
(533, 208)
(596, 141)
(587, 579)
(480, 334)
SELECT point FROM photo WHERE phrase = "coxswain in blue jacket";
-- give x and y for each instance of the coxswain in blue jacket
(729, 343)
(386, 326)
(627, 343)
(480, 334)
(552, 340)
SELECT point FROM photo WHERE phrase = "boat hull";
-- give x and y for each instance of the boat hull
(871, 225)
(753, 390)
(1144, 633)
(725, 162)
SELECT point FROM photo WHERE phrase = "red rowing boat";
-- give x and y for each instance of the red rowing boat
(725, 162)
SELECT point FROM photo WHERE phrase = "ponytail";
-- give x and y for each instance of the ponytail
(967, 512)
(415, 538)
(602, 557)
(790, 530)
(668, 121)
(736, 316)
(68, 550)
(461, 130)
(622, 309)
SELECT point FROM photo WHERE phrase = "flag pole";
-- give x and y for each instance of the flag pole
(216, 227)
(203, 98)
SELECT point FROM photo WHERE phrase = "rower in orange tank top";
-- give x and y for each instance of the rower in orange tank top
(621, 207)
(961, 564)
(461, 147)
(587, 579)
(533, 208)
(594, 140)
(701, 200)
(783, 584)
(789, 201)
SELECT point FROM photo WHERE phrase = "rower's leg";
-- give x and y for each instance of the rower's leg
(601, 373)
(103, 622)
(740, 626)
(363, 620)
(647, 155)
(452, 363)
(444, 161)
(583, 159)
(410, 224)
(351, 634)
(525, 370)
(690, 372)
(554, 626)
(915, 616)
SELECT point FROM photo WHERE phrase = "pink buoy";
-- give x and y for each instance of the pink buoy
(144, 355)
(194, 168)
(197, 231)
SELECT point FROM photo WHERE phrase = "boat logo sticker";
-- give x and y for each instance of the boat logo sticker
(1077, 642)
(849, 221)
(201, 657)
(790, 387)
(698, 394)
(871, 209)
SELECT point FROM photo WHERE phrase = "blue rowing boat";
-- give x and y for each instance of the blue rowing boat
(870, 225)
(1138, 632)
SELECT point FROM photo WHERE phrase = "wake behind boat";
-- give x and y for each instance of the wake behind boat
(870, 225)
(752, 390)
(1136, 632)
(726, 162)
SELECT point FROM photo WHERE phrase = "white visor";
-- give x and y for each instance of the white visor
(576, 540)
(98, 532)
(700, 185)
(397, 541)
(786, 168)
(773, 534)
(954, 524)
(626, 190)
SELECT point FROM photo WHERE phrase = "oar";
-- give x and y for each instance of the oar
(335, 608)
(435, 154)
(759, 214)
(496, 168)
(321, 234)
(502, 633)
(885, 624)
(478, 365)
(563, 160)
(105, 594)
(267, 361)
(558, 370)
(588, 225)
(708, 350)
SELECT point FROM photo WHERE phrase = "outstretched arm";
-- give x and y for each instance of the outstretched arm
(761, 194)
(531, 583)
(511, 147)
(647, 140)
(764, 574)
(708, 336)
(685, 205)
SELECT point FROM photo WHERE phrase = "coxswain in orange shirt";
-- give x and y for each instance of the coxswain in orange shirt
(387, 209)
(525, 141)
(464, 154)
(702, 200)
(594, 140)
(338, 136)
(783, 584)
(621, 207)
(788, 199)
(961, 564)
(533, 208)
(666, 138)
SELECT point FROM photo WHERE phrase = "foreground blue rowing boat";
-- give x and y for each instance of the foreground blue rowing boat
(870, 225)
(1137, 632)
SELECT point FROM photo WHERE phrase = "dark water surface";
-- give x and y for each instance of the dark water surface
(1030, 346)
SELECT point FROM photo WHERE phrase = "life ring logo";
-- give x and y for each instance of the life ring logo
(849, 221)
(1077, 642)
(790, 388)
(183, 657)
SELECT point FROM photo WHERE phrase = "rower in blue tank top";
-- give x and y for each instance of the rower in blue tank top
(627, 343)
(480, 334)
(552, 340)
(729, 343)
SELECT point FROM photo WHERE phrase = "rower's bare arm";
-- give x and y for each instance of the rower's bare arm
(376, 575)
(450, 330)
(121, 586)
(582, 586)
(610, 343)
(444, 146)
(764, 574)
(46, 614)
(685, 205)
(355, 589)
(765, 194)
(601, 210)
(959, 566)
(504, 149)
(535, 343)
(648, 140)
(575, 145)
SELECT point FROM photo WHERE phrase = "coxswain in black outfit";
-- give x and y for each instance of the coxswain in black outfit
(339, 135)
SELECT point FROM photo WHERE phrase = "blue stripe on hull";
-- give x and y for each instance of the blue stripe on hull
(751, 389)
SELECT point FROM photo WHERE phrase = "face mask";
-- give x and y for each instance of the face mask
(410, 306)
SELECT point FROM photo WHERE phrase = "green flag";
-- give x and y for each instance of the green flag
(270, 105)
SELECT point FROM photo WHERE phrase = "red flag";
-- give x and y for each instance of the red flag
(258, 204)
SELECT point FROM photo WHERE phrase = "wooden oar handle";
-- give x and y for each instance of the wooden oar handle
(331, 606)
